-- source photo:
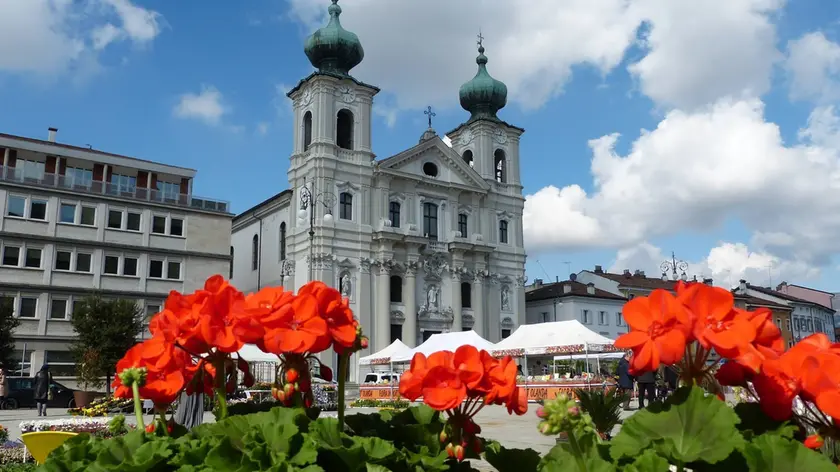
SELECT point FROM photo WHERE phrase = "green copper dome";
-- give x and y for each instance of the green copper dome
(483, 96)
(332, 48)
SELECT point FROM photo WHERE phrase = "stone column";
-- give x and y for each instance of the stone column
(478, 305)
(456, 303)
(410, 324)
(382, 324)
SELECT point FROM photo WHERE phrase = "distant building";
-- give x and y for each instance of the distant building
(628, 284)
(597, 309)
(807, 317)
(76, 221)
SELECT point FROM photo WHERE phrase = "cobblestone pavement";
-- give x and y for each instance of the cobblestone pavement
(513, 431)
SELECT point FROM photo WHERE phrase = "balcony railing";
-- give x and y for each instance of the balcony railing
(96, 187)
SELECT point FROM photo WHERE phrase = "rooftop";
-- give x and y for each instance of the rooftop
(638, 280)
(755, 301)
(576, 289)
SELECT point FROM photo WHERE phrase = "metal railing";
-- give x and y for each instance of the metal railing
(97, 187)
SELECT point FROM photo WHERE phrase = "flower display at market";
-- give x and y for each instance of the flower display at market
(461, 384)
(684, 329)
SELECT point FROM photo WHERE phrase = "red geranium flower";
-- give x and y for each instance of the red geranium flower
(659, 324)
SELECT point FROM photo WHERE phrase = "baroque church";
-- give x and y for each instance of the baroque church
(423, 242)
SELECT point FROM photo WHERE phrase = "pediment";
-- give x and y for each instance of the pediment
(451, 168)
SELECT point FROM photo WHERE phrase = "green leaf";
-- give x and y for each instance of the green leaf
(773, 453)
(559, 459)
(755, 422)
(376, 468)
(687, 427)
(510, 460)
(648, 462)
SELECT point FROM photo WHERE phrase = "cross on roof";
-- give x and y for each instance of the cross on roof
(430, 114)
(480, 38)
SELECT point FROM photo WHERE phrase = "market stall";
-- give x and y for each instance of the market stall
(263, 366)
(381, 385)
(446, 342)
(546, 341)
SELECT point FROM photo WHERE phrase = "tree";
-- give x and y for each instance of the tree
(8, 323)
(105, 330)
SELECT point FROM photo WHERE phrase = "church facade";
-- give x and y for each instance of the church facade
(426, 241)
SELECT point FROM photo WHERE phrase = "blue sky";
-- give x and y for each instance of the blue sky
(737, 172)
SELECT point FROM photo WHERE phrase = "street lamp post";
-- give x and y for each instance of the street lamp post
(308, 199)
(673, 266)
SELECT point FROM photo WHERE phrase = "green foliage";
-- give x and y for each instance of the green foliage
(8, 323)
(369, 403)
(510, 460)
(603, 406)
(28, 467)
(105, 330)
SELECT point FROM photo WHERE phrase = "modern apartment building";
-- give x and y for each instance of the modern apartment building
(76, 221)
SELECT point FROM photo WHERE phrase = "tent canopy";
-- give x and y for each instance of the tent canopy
(446, 342)
(558, 337)
(252, 353)
(384, 356)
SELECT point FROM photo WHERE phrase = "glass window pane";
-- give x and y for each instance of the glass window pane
(11, 256)
(16, 206)
(67, 214)
(156, 269)
(33, 258)
(88, 215)
(83, 262)
(115, 219)
(112, 264)
(159, 224)
(28, 307)
(173, 270)
(38, 209)
(133, 221)
(58, 309)
(176, 227)
(62, 260)
(130, 266)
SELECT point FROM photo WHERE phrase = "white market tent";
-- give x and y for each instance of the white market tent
(252, 353)
(384, 356)
(555, 338)
(263, 365)
(446, 342)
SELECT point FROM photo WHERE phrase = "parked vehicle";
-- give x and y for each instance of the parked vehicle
(381, 377)
(21, 394)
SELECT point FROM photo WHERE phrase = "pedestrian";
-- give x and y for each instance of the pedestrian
(4, 388)
(671, 378)
(647, 388)
(625, 380)
(42, 392)
(190, 412)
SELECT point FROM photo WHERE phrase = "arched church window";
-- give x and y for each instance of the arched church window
(430, 220)
(468, 158)
(462, 224)
(503, 232)
(255, 252)
(501, 174)
(283, 241)
(307, 130)
(344, 129)
(394, 214)
(396, 289)
(345, 206)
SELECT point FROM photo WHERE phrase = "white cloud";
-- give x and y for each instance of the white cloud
(207, 106)
(49, 37)
(533, 48)
(813, 64)
(262, 128)
(694, 172)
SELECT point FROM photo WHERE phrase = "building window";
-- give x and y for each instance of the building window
(231, 263)
(468, 158)
(83, 261)
(28, 307)
(24, 360)
(63, 260)
(164, 269)
(779, 322)
(255, 252)
(787, 324)
(16, 206)
(120, 265)
(466, 295)
(11, 256)
(32, 170)
(584, 317)
(396, 332)
(396, 289)
(503, 232)
(345, 208)
(37, 209)
(78, 177)
(62, 363)
(58, 309)
(499, 158)
(33, 258)
(619, 320)
(344, 129)
(602, 318)
(167, 225)
(74, 213)
(124, 219)
(122, 184)
(462, 225)
(394, 214)
(505, 333)
(176, 226)
(158, 224)
(430, 220)
(430, 169)
(307, 130)
(167, 191)
(282, 241)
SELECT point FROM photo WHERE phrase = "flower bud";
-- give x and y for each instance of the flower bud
(814, 441)
(459, 453)
(541, 413)
(291, 376)
(150, 428)
(134, 374)
(443, 437)
(573, 410)
(364, 342)
(450, 450)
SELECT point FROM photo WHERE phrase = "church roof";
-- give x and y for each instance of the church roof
(483, 96)
(333, 48)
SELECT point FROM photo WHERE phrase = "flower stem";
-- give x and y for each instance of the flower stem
(138, 405)
(576, 450)
(162, 419)
(221, 391)
(342, 376)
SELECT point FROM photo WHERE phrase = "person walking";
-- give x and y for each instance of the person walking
(671, 378)
(190, 412)
(625, 380)
(647, 388)
(4, 388)
(43, 381)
